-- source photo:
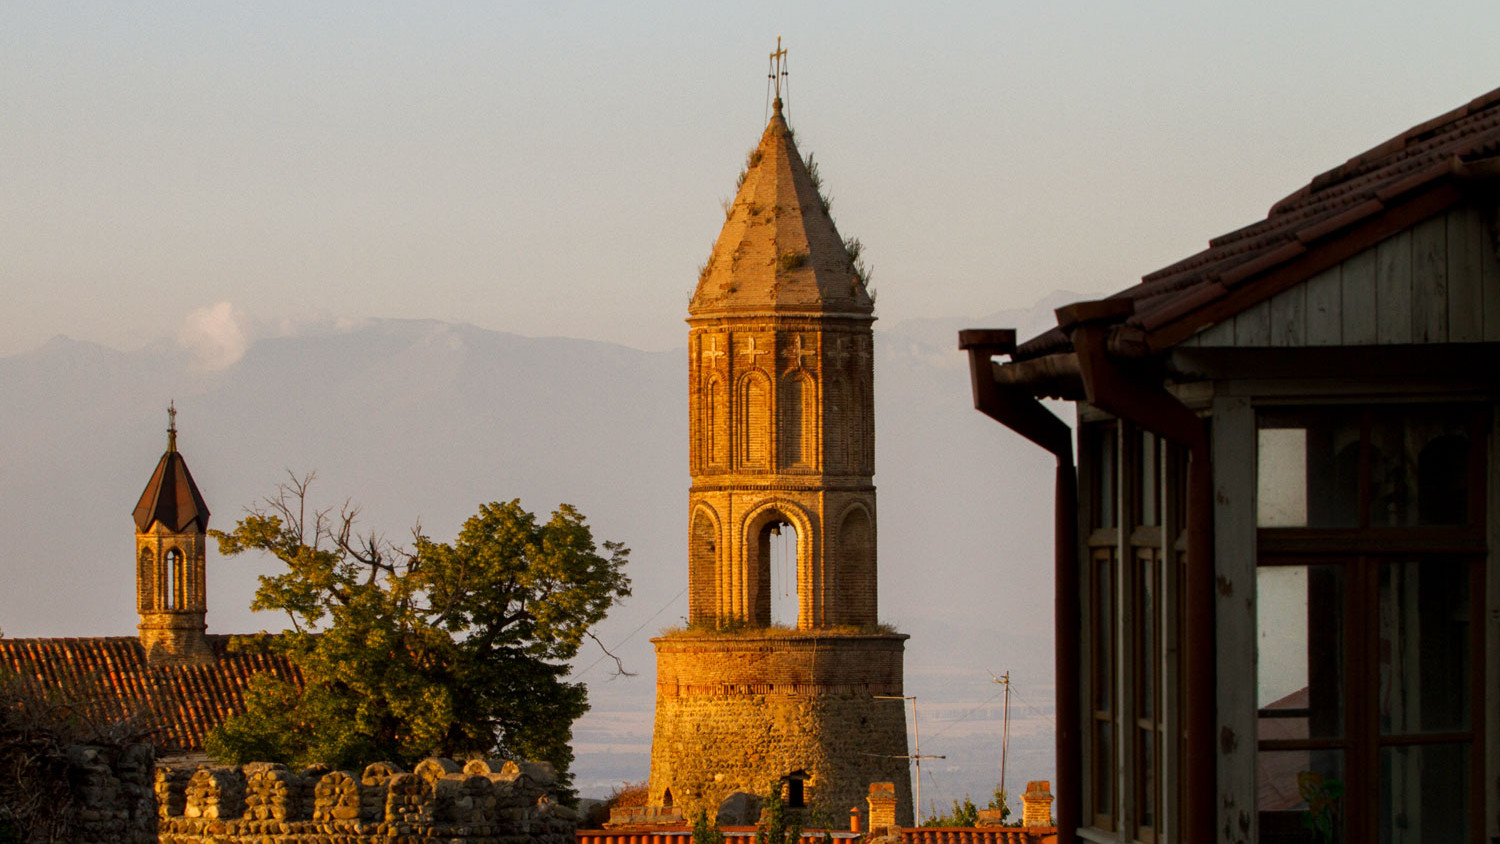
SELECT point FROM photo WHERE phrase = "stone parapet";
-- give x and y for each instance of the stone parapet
(478, 802)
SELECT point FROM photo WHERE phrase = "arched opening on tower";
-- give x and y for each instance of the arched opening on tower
(147, 582)
(173, 589)
(703, 570)
(777, 559)
(855, 572)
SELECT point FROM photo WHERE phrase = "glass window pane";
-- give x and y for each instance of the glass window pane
(1104, 769)
(1104, 630)
(1145, 635)
(1281, 479)
(1424, 793)
(1300, 651)
(1419, 467)
(1145, 778)
(1424, 629)
(1105, 472)
(1308, 468)
(1148, 460)
(1299, 795)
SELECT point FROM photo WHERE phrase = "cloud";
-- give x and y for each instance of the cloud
(217, 335)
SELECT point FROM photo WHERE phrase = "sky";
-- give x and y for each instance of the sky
(211, 173)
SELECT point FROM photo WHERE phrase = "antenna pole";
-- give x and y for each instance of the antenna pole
(1004, 680)
(916, 756)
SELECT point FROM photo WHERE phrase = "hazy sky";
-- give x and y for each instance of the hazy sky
(557, 168)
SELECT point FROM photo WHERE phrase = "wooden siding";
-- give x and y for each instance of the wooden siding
(1234, 612)
(1437, 282)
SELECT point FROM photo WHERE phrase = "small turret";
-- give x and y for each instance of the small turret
(171, 525)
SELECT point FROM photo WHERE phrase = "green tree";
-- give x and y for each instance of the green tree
(963, 814)
(779, 829)
(1001, 801)
(454, 649)
(706, 832)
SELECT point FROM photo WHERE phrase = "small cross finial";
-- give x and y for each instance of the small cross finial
(172, 425)
(778, 70)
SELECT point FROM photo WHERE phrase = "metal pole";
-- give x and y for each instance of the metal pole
(917, 740)
(1005, 737)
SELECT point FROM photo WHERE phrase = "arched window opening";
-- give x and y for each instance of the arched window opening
(796, 421)
(174, 580)
(860, 459)
(837, 421)
(666, 798)
(703, 571)
(146, 583)
(855, 573)
(715, 438)
(777, 566)
(755, 422)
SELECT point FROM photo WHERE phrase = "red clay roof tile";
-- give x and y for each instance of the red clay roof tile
(1354, 191)
(112, 679)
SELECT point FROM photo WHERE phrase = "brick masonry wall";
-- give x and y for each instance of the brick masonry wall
(736, 712)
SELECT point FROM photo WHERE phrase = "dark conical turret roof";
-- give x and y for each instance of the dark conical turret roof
(779, 249)
(170, 496)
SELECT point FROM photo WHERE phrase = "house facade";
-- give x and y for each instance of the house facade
(1278, 589)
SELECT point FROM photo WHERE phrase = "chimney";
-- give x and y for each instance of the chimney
(882, 802)
(1036, 804)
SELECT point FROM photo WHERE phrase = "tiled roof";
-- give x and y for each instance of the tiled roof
(1355, 191)
(171, 497)
(112, 679)
(779, 250)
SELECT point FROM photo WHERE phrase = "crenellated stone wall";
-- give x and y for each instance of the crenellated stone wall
(478, 802)
(111, 790)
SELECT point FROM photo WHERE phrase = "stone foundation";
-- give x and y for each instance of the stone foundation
(736, 712)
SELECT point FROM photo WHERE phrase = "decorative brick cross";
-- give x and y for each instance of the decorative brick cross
(713, 354)
(802, 351)
(754, 353)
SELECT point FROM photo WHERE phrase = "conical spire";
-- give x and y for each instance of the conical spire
(779, 249)
(170, 496)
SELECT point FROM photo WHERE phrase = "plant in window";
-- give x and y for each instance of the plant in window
(1322, 796)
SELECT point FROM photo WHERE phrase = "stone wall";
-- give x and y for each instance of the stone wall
(478, 802)
(735, 713)
(111, 791)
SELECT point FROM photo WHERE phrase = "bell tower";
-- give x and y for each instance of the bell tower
(171, 523)
(780, 375)
(782, 418)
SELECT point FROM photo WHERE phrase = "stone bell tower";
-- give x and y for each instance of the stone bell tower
(782, 425)
(171, 523)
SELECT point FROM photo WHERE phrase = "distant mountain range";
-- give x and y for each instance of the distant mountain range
(423, 420)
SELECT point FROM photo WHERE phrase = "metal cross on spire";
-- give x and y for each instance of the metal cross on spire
(172, 425)
(778, 69)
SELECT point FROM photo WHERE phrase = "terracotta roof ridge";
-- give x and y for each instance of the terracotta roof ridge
(1413, 142)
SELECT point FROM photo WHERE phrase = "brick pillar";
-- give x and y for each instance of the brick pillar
(882, 802)
(1036, 804)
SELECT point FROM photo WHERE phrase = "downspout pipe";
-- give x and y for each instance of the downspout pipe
(1017, 409)
(1147, 404)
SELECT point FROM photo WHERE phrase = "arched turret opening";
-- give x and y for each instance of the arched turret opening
(173, 586)
(777, 568)
(703, 569)
(854, 572)
(795, 423)
(754, 434)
